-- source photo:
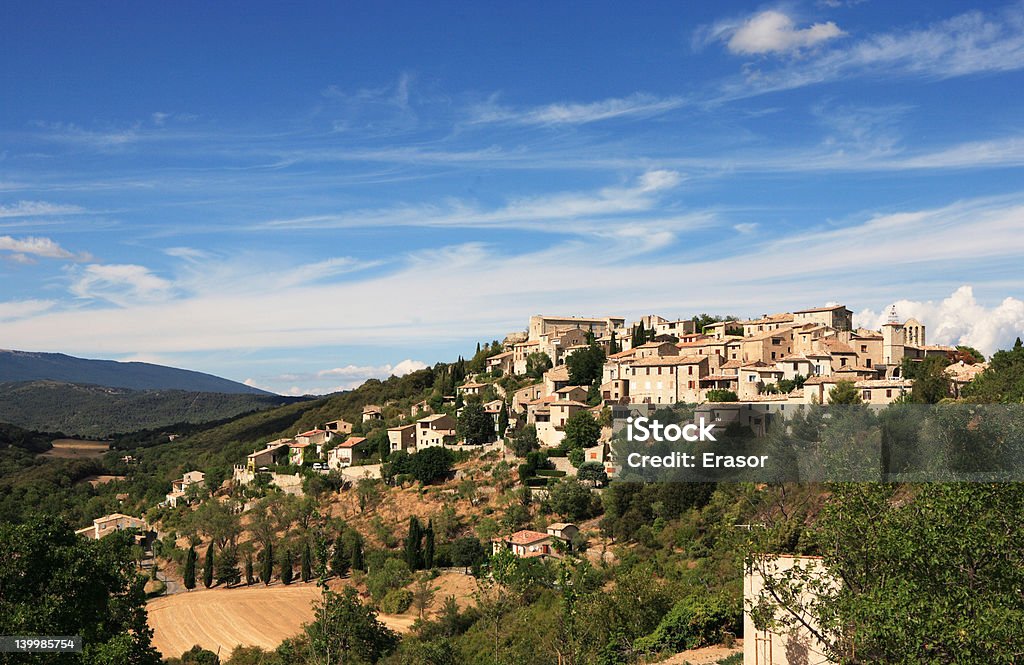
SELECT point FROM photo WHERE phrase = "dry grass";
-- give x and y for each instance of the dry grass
(77, 449)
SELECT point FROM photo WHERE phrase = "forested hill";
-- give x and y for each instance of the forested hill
(99, 411)
(31, 366)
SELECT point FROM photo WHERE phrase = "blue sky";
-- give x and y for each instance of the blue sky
(304, 198)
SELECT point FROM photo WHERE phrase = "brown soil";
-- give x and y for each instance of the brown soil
(77, 449)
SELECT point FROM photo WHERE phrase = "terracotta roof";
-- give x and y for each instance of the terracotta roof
(371, 408)
(567, 402)
(719, 377)
(296, 444)
(732, 364)
(670, 360)
(794, 357)
(569, 388)
(836, 346)
(829, 308)
(314, 431)
(352, 442)
(816, 380)
(526, 537)
(885, 383)
(433, 418)
(560, 373)
(558, 526)
(503, 354)
(400, 428)
(768, 334)
(781, 317)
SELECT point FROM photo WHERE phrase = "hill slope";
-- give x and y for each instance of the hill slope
(31, 366)
(87, 410)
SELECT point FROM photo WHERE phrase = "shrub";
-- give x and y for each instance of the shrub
(691, 623)
(396, 601)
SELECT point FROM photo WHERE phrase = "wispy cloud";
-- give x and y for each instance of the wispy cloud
(29, 248)
(971, 43)
(17, 309)
(327, 381)
(613, 206)
(637, 105)
(123, 285)
(871, 261)
(37, 209)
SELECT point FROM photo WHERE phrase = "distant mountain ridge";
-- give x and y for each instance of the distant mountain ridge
(100, 411)
(18, 366)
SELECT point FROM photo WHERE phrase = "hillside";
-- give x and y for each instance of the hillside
(30, 366)
(90, 410)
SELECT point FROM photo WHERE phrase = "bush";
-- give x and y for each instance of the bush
(396, 601)
(691, 623)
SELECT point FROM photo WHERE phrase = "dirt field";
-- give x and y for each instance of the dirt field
(220, 619)
(705, 656)
(76, 449)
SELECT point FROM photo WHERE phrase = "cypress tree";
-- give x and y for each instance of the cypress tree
(339, 559)
(357, 554)
(307, 564)
(413, 545)
(250, 576)
(286, 567)
(613, 346)
(208, 567)
(189, 576)
(428, 547)
(268, 564)
(503, 419)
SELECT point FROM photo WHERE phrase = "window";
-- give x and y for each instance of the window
(866, 394)
(842, 362)
(888, 392)
(751, 378)
(867, 361)
(776, 341)
(773, 355)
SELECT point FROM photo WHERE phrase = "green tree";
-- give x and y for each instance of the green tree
(929, 573)
(52, 582)
(475, 425)
(525, 441)
(568, 497)
(267, 573)
(428, 546)
(189, 575)
(536, 364)
(722, 396)
(197, 655)
(286, 567)
(845, 392)
(250, 575)
(414, 545)
(340, 562)
(581, 431)
(392, 574)
(585, 365)
(344, 630)
(1003, 381)
(208, 567)
(431, 465)
(306, 567)
(227, 567)
(503, 419)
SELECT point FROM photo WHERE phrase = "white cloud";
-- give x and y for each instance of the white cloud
(120, 284)
(958, 319)
(608, 210)
(17, 309)
(23, 248)
(326, 381)
(637, 105)
(476, 291)
(37, 208)
(774, 32)
(970, 43)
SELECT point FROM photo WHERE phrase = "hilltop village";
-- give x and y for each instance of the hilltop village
(507, 454)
